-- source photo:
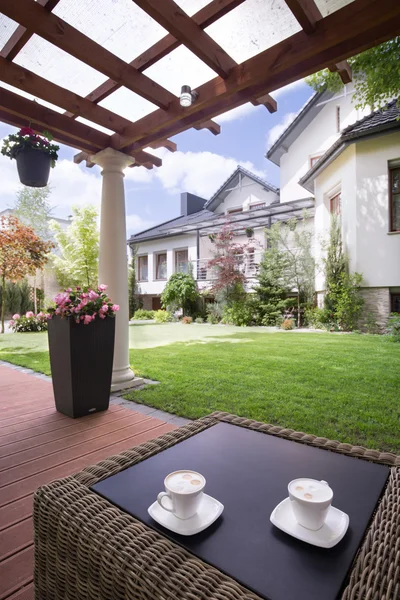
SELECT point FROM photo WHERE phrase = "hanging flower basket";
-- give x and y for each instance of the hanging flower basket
(34, 153)
(81, 343)
(249, 232)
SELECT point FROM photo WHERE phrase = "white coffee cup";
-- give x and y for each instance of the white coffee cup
(183, 493)
(310, 501)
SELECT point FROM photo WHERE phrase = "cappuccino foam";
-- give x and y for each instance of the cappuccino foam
(311, 490)
(185, 482)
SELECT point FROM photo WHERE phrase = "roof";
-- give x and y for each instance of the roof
(304, 117)
(233, 180)
(376, 123)
(162, 230)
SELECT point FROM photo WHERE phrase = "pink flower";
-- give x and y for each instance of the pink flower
(61, 298)
(26, 131)
(29, 314)
(12, 323)
(48, 316)
(85, 295)
(115, 307)
(84, 302)
(68, 290)
(58, 311)
(16, 317)
(93, 295)
(102, 315)
(87, 319)
(78, 287)
(104, 308)
(103, 287)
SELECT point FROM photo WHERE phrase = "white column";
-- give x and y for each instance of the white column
(113, 260)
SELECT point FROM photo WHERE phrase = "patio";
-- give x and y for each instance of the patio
(38, 445)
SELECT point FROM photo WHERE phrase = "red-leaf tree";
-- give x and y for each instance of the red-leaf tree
(227, 264)
(21, 253)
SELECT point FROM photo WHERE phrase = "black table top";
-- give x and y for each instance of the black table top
(248, 472)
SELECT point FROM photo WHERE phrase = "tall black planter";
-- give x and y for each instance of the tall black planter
(81, 358)
(33, 167)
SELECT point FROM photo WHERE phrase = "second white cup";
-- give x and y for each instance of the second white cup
(310, 501)
(183, 493)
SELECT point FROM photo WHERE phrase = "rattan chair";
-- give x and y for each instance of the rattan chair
(87, 549)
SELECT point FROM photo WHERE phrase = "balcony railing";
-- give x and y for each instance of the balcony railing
(245, 263)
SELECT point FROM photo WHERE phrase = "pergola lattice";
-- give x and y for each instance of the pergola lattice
(351, 26)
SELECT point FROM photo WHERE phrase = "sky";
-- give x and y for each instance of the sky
(201, 164)
(203, 161)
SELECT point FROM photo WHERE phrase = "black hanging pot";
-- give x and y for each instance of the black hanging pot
(81, 358)
(33, 167)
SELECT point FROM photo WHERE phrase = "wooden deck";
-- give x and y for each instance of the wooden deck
(37, 445)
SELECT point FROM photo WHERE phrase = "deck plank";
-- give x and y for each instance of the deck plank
(38, 445)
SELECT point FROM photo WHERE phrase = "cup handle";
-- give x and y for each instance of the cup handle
(160, 498)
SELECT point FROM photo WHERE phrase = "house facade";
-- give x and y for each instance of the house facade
(333, 159)
(185, 243)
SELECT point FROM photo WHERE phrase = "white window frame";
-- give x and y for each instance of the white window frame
(138, 266)
(156, 255)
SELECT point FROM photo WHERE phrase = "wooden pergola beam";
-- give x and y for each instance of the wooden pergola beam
(170, 16)
(348, 31)
(268, 101)
(308, 14)
(212, 126)
(168, 144)
(58, 32)
(21, 35)
(204, 17)
(27, 81)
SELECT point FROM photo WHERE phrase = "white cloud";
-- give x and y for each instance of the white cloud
(278, 129)
(135, 223)
(198, 172)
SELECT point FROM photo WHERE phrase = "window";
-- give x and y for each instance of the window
(143, 271)
(338, 119)
(256, 206)
(161, 266)
(181, 261)
(235, 210)
(395, 302)
(335, 204)
(314, 159)
(394, 198)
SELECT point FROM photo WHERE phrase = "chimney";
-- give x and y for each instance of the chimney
(190, 203)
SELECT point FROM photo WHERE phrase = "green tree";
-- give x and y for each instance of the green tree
(273, 287)
(79, 249)
(296, 240)
(180, 292)
(32, 207)
(376, 74)
(133, 303)
(335, 262)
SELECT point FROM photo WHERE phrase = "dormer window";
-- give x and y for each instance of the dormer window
(257, 206)
(233, 211)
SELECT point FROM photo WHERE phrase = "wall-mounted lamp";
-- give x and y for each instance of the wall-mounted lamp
(187, 97)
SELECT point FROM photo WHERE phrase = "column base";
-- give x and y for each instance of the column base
(124, 379)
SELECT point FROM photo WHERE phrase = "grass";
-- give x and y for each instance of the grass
(342, 387)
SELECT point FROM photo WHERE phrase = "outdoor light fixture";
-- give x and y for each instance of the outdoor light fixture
(187, 97)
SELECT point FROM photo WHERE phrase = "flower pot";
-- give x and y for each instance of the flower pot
(81, 358)
(33, 167)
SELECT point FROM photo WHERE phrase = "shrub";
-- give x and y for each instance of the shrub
(199, 320)
(393, 328)
(345, 297)
(240, 314)
(162, 316)
(29, 322)
(187, 320)
(214, 313)
(287, 324)
(143, 315)
(370, 324)
(319, 318)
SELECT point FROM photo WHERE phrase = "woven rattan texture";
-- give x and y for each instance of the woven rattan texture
(87, 549)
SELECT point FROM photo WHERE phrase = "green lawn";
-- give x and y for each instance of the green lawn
(344, 387)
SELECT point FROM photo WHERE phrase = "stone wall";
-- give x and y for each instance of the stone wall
(376, 303)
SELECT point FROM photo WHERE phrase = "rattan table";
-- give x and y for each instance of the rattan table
(86, 548)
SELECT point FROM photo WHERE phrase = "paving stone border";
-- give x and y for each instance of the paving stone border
(117, 400)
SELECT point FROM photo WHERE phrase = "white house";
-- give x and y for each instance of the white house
(184, 243)
(333, 158)
(350, 162)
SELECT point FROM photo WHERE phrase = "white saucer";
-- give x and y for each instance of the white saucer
(330, 534)
(209, 511)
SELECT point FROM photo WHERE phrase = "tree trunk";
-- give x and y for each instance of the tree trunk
(3, 302)
(34, 295)
(298, 310)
